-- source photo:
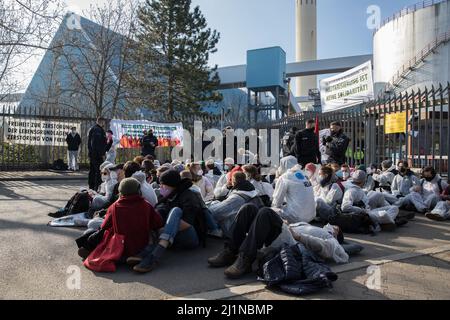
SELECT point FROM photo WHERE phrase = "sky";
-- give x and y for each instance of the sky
(251, 24)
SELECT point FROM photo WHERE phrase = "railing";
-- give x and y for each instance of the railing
(409, 9)
(419, 58)
(425, 141)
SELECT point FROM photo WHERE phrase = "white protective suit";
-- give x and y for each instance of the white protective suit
(374, 204)
(294, 197)
(147, 191)
(425, 196)
(320, 241)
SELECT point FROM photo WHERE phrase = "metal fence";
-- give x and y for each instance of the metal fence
(33, 156)
(425, 142)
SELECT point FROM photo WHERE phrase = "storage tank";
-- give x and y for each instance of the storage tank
(416, 37)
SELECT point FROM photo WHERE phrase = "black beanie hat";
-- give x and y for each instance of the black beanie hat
(170, 178)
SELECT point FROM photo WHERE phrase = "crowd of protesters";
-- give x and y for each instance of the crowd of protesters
(155, 206)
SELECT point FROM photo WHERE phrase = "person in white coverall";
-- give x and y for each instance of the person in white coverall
(328, 194)
(355, 200)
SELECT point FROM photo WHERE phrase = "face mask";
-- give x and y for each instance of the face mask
(369, 171)
(74, 132)
(200, 172)
(323, 181)
(309, 174)
(345, 175)
(164, 192)
(104, 177)
(329, 228)
(226, 167)
(429, 179)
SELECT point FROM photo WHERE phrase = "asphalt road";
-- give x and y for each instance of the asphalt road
(37, 261)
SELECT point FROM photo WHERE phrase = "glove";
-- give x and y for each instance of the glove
(328, 139)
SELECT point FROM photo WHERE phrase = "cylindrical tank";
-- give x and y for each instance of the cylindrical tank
(306, 41)
(403, 38)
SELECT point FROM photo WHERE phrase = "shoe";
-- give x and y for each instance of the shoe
(406, 214)
(147, 264)
(218, 233)
(58, 214)
(434, 216)
(240, 267)
(83, 253)
(401, 221)
(224, 258)
(389, 227)
(135, 260)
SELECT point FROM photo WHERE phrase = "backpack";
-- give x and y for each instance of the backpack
(79, 203)
(59, 165)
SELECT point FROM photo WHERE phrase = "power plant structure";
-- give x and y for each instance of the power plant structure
(306, 42)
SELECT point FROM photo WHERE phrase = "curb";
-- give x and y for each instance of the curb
(254, 287)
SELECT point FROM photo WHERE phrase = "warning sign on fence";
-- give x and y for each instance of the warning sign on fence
(395, 123)
(37, 132)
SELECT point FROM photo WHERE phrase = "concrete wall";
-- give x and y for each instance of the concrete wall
(401, 39)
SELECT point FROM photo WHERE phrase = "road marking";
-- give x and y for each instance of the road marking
(254, 287)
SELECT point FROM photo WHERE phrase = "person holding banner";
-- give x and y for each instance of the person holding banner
(97, 149)
(73, 140)
(149, 144)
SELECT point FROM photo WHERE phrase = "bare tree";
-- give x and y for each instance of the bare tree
(89, 60)
(25, 26)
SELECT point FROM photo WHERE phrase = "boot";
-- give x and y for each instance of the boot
(241, 266)
(224, 258)
(406, 214)
(434, 216)
(401, 221)
(134, 260)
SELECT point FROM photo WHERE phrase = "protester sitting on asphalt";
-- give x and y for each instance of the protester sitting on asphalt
(425, 196)
(293, 198)
(241, 192)
(355, 200)
(329, 194)
(403, 182)
(159, 172)
(213, 172)
(326, 242)
(146, 189)
(370, 183)
(286, 164)
(345, 170)
(386, 177)
(312, 172)
(109, 181)
(185, 225)
(221, 189)
(442, 210)
(135, 219)
(253, 227)
(264, 189)
(147, 167)
(205, 186)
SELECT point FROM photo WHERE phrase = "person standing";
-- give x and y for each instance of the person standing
(306, 145)
(336, 144)
(111, 145)
(97, 149)
(73, 140)
(149, 144)
(288, 142)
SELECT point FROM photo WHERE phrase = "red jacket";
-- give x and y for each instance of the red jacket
(135, 219)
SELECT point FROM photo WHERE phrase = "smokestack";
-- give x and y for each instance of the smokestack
(306, 41)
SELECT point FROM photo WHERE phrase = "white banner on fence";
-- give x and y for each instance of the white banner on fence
(37, 132)
(130, 131)
(347, 89)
